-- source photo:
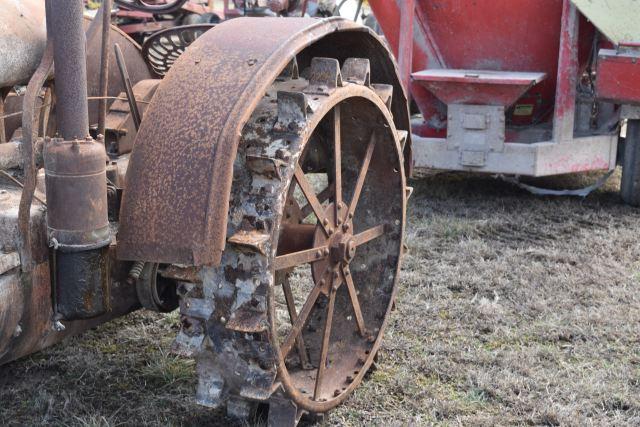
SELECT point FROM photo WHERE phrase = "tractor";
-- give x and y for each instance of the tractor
(257, 184)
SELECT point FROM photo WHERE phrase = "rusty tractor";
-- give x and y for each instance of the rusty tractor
(257, 183)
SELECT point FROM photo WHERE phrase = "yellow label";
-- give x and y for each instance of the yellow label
(523, 110)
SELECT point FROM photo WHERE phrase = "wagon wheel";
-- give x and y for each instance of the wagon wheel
(307, 279)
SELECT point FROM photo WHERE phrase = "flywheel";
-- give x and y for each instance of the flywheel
(296, 311)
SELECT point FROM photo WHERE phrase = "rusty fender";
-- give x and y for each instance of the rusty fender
(175, 205)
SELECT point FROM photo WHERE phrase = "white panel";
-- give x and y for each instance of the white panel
(619, 20)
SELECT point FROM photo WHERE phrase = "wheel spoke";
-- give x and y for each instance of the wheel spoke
(326, 338)
(308, 192)
(362, 175)
(368, 235)
(298, 258)
(297, 326)
(322, 197)
(346, 274)
(337, 162)
(291, 307)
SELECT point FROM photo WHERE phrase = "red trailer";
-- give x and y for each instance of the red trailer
(521, 87)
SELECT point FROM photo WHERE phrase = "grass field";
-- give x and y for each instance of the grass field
(513, 309)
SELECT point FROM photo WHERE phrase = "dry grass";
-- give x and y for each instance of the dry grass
(513, 309)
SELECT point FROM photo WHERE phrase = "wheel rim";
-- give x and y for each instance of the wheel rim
(341, 321)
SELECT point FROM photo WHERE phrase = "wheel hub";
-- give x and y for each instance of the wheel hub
(342, 249)
(347, 248)
(337, 237)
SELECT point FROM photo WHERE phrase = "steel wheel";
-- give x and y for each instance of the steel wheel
(334, 331)
(297, 308)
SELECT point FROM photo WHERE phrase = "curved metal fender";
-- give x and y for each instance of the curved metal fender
(175, 205)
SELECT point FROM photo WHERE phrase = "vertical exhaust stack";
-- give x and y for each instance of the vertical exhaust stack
(76, 181)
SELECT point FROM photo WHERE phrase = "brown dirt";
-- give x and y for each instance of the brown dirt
(513, 309)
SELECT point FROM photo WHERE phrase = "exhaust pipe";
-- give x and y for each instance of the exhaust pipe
(76, 180)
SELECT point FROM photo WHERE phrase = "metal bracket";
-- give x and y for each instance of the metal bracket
(254, 240)
(385, 92)
(403, 136)
(474, 131)
(325, 76)
(282, 412)
(357, 70)
(630, 112)
(264, 165)
(290, 71)
(292, 111)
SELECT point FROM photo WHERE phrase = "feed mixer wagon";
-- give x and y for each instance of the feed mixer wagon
(521, 87)
(259, 186)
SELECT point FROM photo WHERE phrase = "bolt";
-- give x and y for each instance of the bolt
(347, 272)
(335, 275)
(318, 254)
(350, 215)
(326, 251)
(329, 231)
(336, 393)
(345, 227)
(58, 326)
(325, 221)
(349, 379)
(322, 282)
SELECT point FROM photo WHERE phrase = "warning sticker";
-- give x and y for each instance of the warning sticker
(523, 110)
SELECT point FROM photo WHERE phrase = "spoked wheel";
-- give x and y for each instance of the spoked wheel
(297, 309)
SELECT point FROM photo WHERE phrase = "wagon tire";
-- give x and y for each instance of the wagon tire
(630, 185)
